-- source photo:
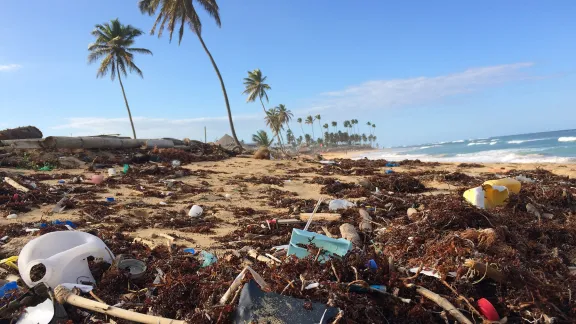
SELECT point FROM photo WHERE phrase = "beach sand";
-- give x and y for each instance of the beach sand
(228, 191)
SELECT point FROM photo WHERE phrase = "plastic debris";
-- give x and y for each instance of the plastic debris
(488, 310)
(389, 171)
(257, 306)
(372, 264)
(327, 162)
(340, 204)
(522, 178)
(125, 168)
(39, 314)
(328, 245)
(492, 193)
(67, 222)
(111, 172)
(195, 211)
(10, 286)
(97, 179)
(208, 258)
(136, 268)
(12, 216)
(83, 288)
(110, 199)
(391, 164)
(10, 262)
(59, 257)
(176, 163)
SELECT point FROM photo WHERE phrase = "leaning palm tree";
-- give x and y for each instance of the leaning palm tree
(299, 121)
(112, 45)
(182, 12)
(310, 121)
(261, 138)
(255, 87)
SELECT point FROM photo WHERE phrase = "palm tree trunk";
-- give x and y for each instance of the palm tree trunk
(126, 101)
(263, 105)
(223, 91)
(302, 128)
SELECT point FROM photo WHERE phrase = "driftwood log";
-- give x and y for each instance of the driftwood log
(20, 133)
(349, 232)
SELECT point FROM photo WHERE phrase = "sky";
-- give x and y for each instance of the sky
(422, 71)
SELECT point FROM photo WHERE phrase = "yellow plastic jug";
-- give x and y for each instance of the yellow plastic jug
(513, 185)
(487, 196)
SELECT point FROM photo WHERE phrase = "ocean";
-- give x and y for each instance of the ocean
(547, 147)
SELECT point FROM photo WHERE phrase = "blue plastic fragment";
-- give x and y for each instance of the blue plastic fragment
(372, 264)
(12, 285)
(389, 171)
(208, 258)
(190, 250)
(391, 164)
(58, 222)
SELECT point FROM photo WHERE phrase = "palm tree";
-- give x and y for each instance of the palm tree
(255, 87)
(285, 115)
(369, 124)
(334, 124)
(318, 117)
(310, 121)
(299, 120)
(325, 127)
(274, 121)
(364, 138)
(113, 41)
(261, 138)
(290, 137)
(307, 138)
(374, 129)
(183, 11)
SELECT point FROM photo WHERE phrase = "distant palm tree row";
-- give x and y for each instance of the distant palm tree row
(114, 40)
(279, 117)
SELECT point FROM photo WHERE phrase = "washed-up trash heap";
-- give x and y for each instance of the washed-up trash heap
(393, 255)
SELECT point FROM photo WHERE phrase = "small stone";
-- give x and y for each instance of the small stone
(411, 211)
(389, 205)
(533, 210)
(547, 215)
(12, 216)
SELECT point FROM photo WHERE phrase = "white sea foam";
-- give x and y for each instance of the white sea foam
(491, 156)
(429, 146)
(477, 143)
(458, 141)
(493, 142)
(528, 140)
(567, 139)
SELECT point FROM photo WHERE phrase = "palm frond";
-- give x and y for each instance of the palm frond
(139, 50)
(212, 8)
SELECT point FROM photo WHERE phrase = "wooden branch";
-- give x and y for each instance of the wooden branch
(253, 253)
(321, 216)
(64, 295)
(442, 302)
(16, 184)
(486, 270)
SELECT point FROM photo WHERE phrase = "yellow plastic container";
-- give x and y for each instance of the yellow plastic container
(513, 185)
(492, 193)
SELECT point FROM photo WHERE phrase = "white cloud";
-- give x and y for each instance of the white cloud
(161, 127)
(382, 94)
(9, 67)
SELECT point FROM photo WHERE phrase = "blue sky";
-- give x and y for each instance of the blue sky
(423, 71)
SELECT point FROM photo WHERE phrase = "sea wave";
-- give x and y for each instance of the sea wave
(478, 143)
(428, 146)
(458, 141)
(567, 139)
(489, 156)
(528, 140)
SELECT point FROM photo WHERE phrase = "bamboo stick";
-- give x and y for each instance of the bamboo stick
(321, 216)
(63, 295)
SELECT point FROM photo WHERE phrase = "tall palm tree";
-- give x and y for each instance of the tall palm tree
(318, 117)
(334, 124)
(289, 137)
(299, 121)
(183, 12)
(261, 138)
(373, 128)
(274, 121)
(310, 121)
(369, 124)
(285, 115)
(255, 87)
(113, 41)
